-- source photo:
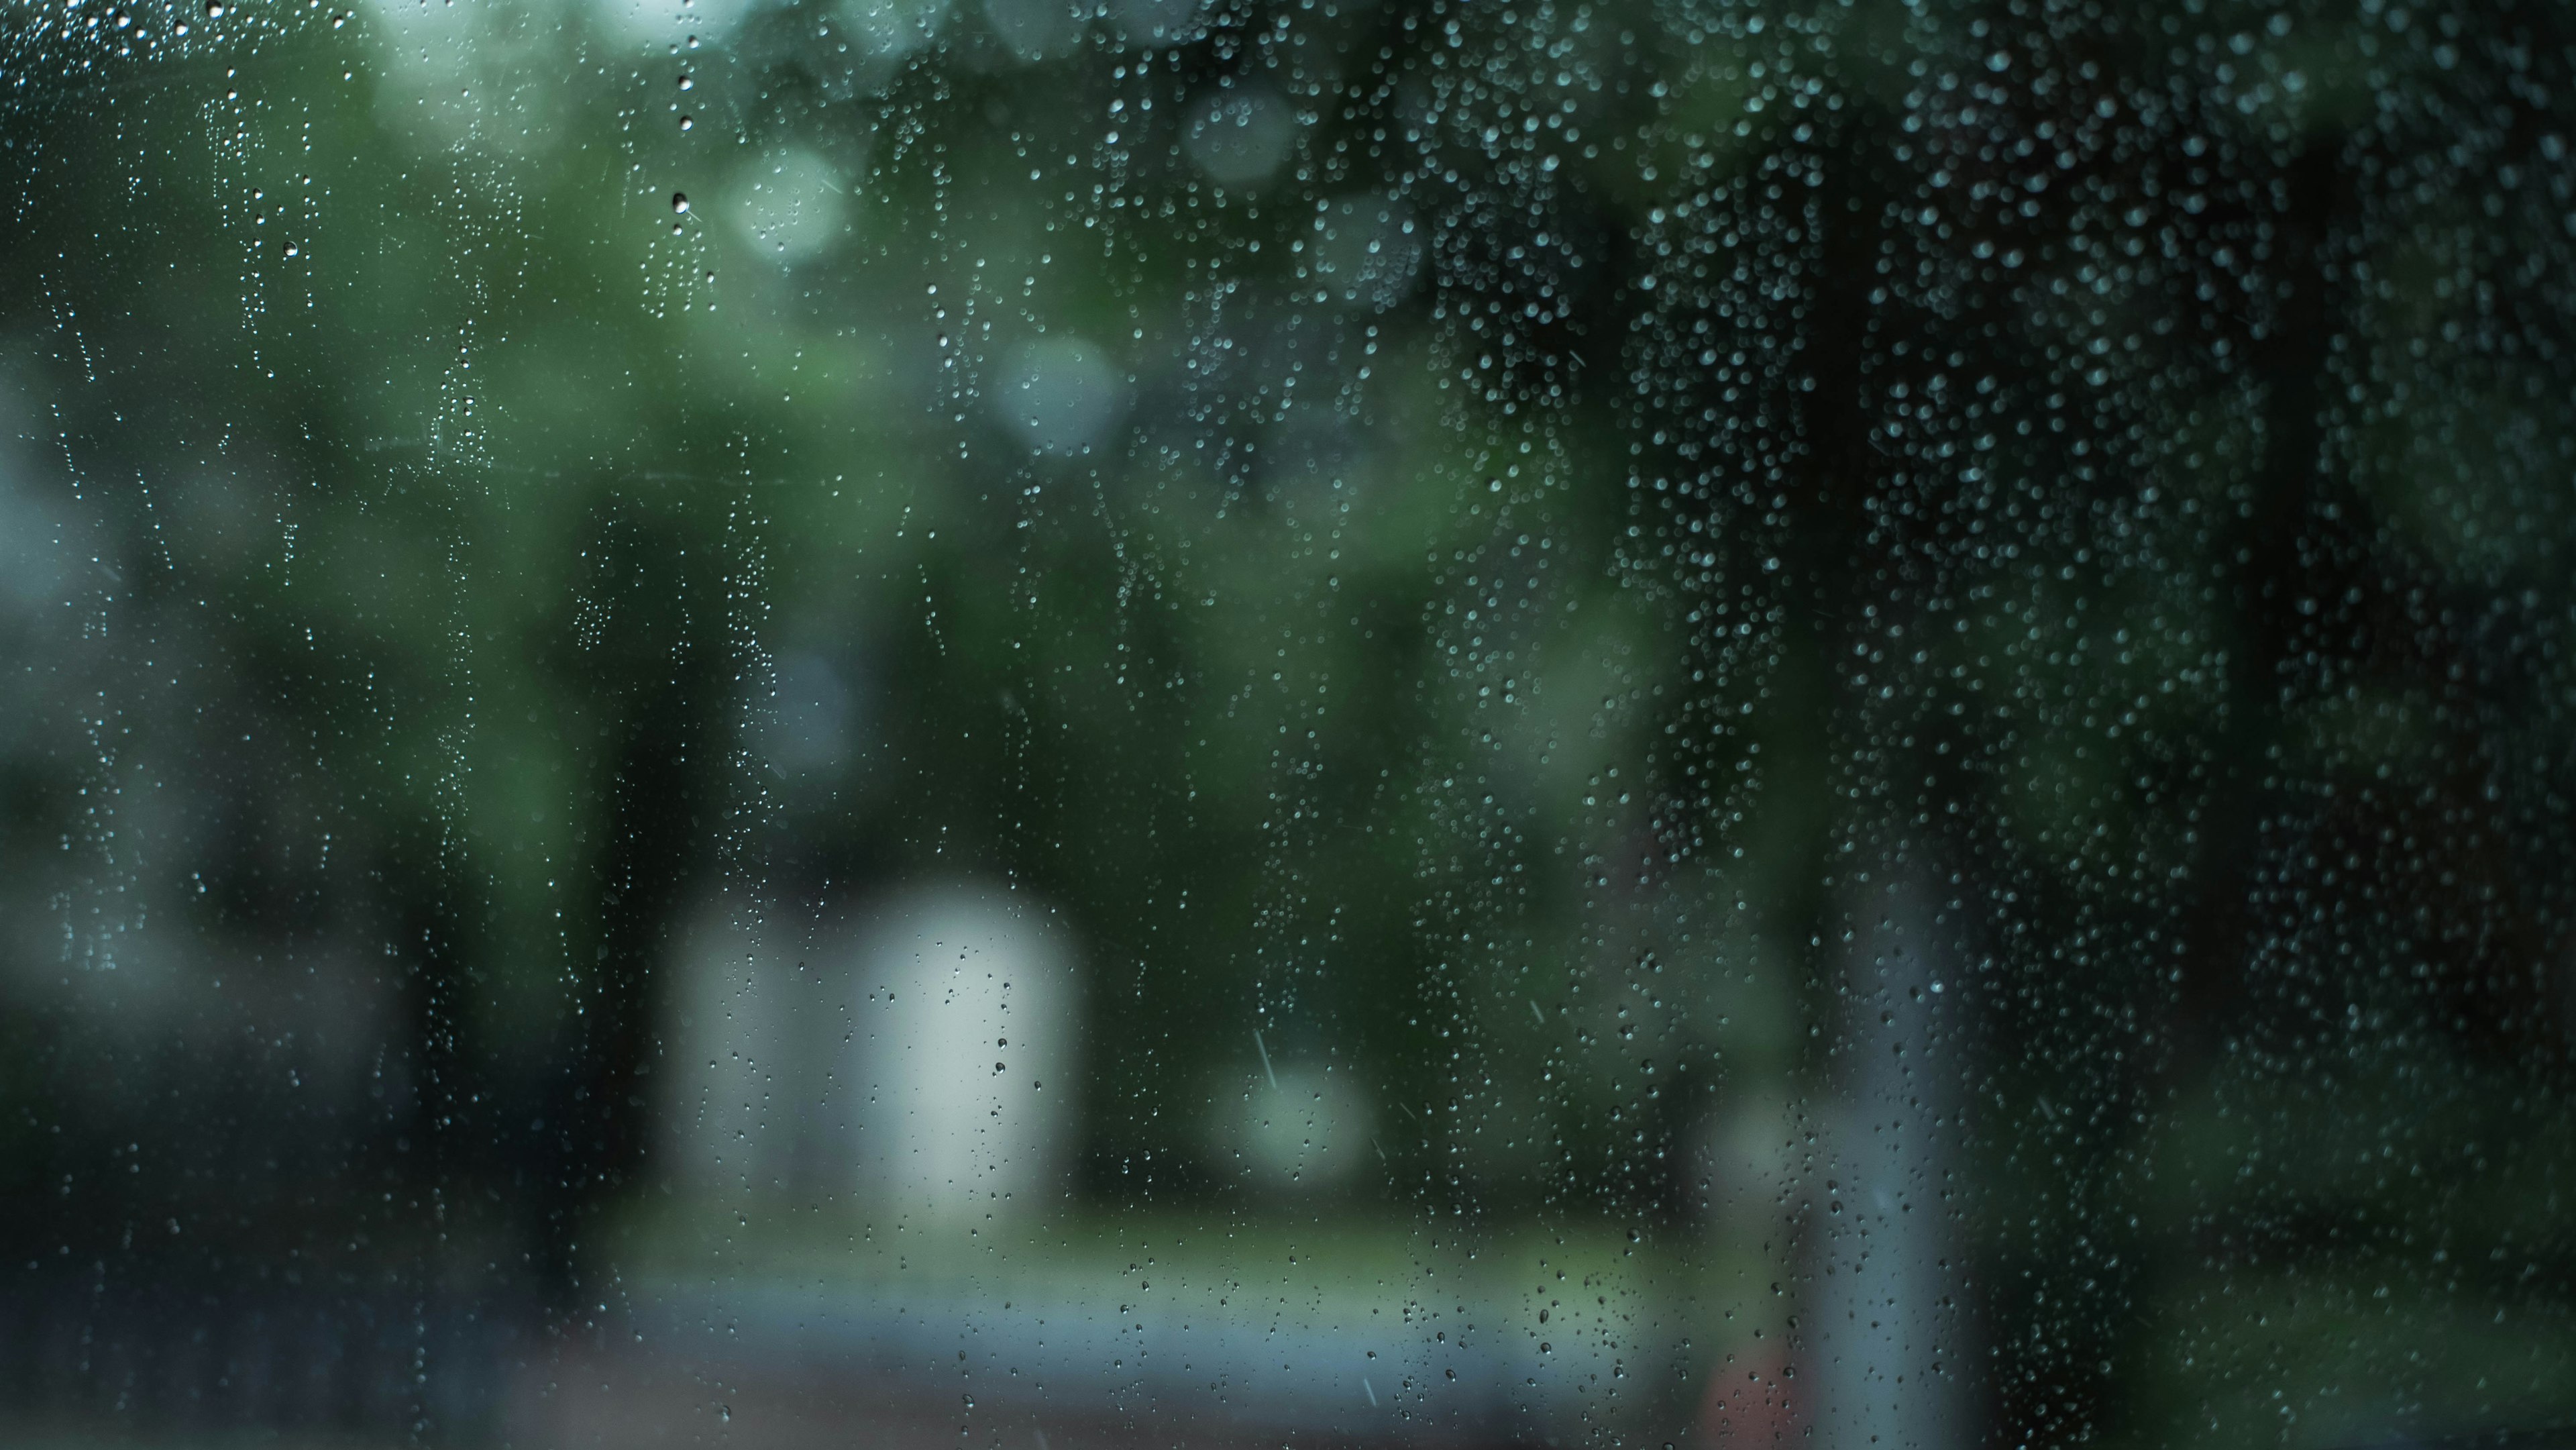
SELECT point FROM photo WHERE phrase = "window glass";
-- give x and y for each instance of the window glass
(1041, 724)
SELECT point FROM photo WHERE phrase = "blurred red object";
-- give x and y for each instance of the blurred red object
(1752, 1400)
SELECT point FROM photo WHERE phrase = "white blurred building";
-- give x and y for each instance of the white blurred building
(917, 1057)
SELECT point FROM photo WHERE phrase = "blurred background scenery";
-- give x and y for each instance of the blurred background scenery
(1242, 723)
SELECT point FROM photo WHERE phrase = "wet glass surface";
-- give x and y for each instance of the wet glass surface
(1339, 723)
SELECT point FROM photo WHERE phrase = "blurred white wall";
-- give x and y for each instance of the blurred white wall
(730, 1055)
(1885, 1358)
(917, 1056)
(961, 1057)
